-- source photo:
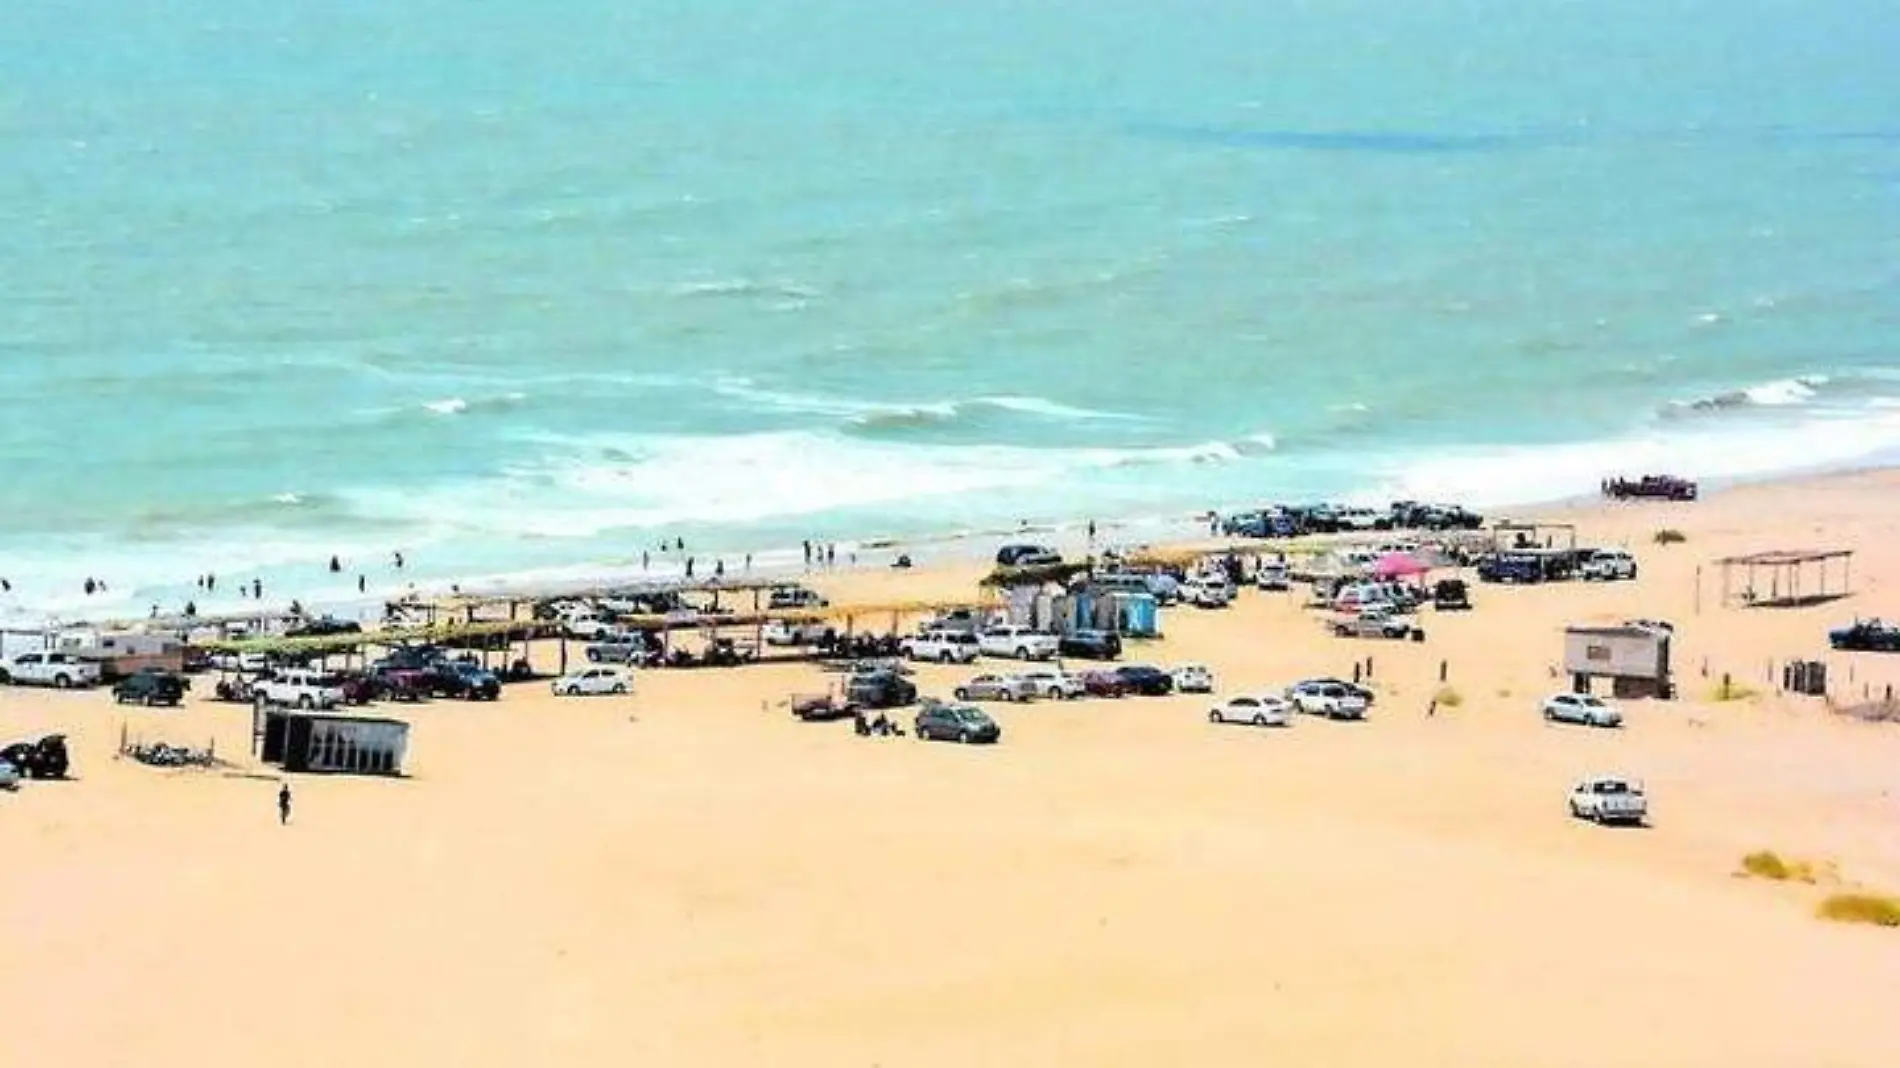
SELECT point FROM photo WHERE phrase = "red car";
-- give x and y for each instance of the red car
(1102, 684)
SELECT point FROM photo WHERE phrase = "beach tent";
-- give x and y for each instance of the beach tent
(1398, 565)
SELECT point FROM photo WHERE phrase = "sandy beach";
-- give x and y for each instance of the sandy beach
(690, 876)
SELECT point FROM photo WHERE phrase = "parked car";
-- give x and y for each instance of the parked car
(463, 680)
(794, 596)
(1145, 681)
(1272, 575)
(59, 670)
(301, 688)
(1451, 595)
(943, 646)
(1090, 645)
(1866, 635)
(1267, 710)
(149, 687)
(618, 648)
(1103, 684)
(1610, 799)
(879, 688)
(1207, 591)
(1193, 678)
(9, 776)
(322, 627)
(593, 680)
(1027, 556)
(783, 633)
(1581, 708)
(396, 682)
(1054, 683)
(1375, 623)
(1334, 700)
(996, 688)
(1607, 565)
(939, 722)
(1022, 643)
(589, 628)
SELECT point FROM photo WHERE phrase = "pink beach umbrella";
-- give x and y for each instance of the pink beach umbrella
(1398, 565)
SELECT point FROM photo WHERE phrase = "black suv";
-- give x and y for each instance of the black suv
(323, 627)
(1144, 680)
(149, 687)
(470, 682)
(1027, 556)
(1090, 645)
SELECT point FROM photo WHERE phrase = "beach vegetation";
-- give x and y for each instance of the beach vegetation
(1877, 909)
(1768, 864)
(1730, 690)
(1670, 536)
(1448, 697)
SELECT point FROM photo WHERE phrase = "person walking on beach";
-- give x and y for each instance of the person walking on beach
(211, 583)
(643, 559)
(283, 804)
(336, 565)
(91, 586)
(808, 554)
(1091, 533)
(680, 544)
(257, 588)
(719, 568)
(831, 555)
(689, 567)
(748, 561)
(362, 584)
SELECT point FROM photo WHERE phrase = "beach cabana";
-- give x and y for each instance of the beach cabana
(1785, 578)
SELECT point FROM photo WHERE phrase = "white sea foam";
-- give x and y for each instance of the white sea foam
(447, 406)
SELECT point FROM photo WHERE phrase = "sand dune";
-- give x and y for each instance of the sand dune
(688, 876)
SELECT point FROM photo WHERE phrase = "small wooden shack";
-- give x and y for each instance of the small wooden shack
(1634, 659)
(321, 742)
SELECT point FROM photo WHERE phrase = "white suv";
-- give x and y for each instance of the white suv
(1022, 643)
(945, 646)
(1053, 683)
(304, 689)
(1608, 565)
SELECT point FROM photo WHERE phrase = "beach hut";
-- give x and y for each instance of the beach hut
(1137, 615)
(1634, 659)
(319, 742)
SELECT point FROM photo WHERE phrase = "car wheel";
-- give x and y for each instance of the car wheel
(960, 694)
(620, 687)
(1259, 721)
(306, 703)
(1022, 652)
(1215, 717)
(150, 701)
(965, 737)
(947, 658)
(62, 682)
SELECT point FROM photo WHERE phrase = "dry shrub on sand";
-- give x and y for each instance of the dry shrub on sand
(1670, 536)
(1730, 690)
(1448, 697)
(1767, 864)
(1877, 909)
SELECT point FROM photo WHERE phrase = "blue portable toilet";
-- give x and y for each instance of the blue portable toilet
(1081, 612)
(1137, 615)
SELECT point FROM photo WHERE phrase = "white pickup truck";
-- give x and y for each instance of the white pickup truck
(303, 689)
(1609, 799)
(61, 670)
(1022, 643)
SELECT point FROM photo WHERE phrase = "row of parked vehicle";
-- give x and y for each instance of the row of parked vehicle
(1292, 521)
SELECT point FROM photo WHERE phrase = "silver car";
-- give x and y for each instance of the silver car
(1581, 708)
(997, 688)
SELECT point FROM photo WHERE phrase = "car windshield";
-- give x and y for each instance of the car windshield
(1612, 787)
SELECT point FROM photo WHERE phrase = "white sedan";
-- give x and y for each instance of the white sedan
(1269, 710)
(1193, 678)
(1581, 708)
(593, 680)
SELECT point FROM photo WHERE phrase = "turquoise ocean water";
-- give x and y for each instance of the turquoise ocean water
(512, 287)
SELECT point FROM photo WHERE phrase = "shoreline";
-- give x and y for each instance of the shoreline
(869, 555)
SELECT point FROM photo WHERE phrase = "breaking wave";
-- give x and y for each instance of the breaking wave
(1779, 393)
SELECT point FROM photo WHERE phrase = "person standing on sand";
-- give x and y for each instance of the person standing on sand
(283, 804)
(211, 583)
(644, 559)
(807, 544)
(336, 565)
(362, 584)
(831, 555)
(689, 567)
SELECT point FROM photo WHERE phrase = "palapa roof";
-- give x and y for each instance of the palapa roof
(1785, 557)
